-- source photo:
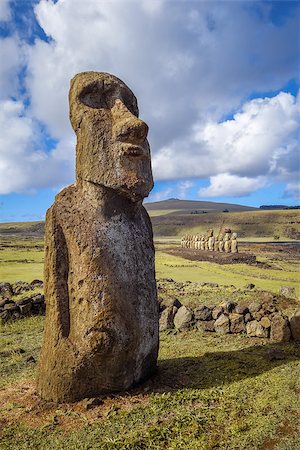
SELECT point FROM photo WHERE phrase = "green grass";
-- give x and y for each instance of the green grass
(237, 274)
(21, 259)
(161, 212)
(210, 392)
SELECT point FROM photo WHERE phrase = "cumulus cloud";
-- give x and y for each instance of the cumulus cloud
(11, 59)
(170, 53)
(24, 166)
(260, 141)
(293, 190)
(188, 69)
(225, 184)
(4, 11)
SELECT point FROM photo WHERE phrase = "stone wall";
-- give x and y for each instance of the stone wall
(256, 320)
(21, 299)
(262, 320)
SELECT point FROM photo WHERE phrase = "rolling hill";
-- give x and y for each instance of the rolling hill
(177, 217)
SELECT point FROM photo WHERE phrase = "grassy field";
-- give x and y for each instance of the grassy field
(210, 391)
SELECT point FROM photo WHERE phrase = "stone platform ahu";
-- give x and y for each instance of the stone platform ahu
(101, 329)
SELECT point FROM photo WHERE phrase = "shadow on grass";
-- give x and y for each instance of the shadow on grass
(220, 368)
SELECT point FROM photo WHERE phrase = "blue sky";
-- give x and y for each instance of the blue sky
(217, 82)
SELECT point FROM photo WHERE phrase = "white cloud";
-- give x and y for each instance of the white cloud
(11, 59)
(182, 189)
(4, 11)
(24, 164)
(188, 69)
(225, 184)
(260, 141)
(293, 190)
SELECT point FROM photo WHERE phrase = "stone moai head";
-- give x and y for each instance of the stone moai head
(112, 148)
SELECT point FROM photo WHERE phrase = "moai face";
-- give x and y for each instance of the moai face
(112, 148)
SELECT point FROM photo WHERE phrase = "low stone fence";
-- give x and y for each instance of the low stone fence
(256, 320)
(262, 320)
(12, 307)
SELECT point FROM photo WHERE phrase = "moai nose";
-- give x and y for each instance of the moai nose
(126, 126)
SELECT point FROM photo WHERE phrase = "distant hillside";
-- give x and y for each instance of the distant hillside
(21, 229)
(177, 217)
(189, 206)
(284, 224)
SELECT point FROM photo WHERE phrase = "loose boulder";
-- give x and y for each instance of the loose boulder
(222, 324)
(183, 318)
(280, 330)
(295, 325)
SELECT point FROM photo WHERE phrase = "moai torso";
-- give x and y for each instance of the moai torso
(221, 243)
(234, 244)
(202, 243)
(227, 246)
(211, 240)
(216, 244)
(101, 328)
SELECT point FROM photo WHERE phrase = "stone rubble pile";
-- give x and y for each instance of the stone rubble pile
(12, 308)
(256, 320)
(224, 242)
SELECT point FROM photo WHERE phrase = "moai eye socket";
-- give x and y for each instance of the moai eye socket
(103, 95)
(94, 96)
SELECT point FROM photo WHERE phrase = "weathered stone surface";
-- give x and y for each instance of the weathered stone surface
(217, 311)
(166, 319)
(206, 325)
(169, 301)
(237, 324)
(222, 324)
(280, 330)
(25, 308)
(295, 325)
(255, 329)
(229, 307)
(6, 290)
(101, 328)
(247, 317)
(288, 291)
(265, 322)
(183, 318)
(241, 309)
(254, 307)
(202, 312)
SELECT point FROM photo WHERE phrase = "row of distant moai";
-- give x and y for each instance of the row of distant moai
(224, 242)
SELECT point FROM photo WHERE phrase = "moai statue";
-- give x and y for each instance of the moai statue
(182, 242)
(198, 242)
(234, 243)
(227, 246)
(211, 240)
(101, 327)
(221, 243)
(202, 243)
(206, 243)
(216, 244)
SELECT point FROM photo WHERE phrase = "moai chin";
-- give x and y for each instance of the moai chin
(101, 327)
